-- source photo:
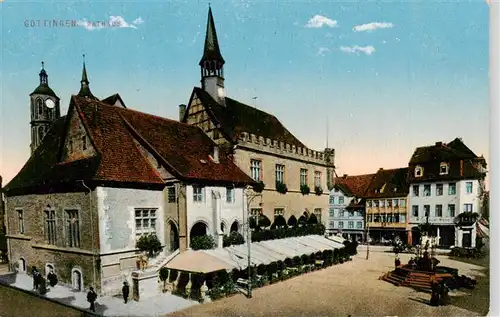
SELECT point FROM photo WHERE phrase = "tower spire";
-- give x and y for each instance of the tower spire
(44, 78)
(211, 51)
(84, 84)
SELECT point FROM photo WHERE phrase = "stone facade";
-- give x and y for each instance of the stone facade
(28, 236)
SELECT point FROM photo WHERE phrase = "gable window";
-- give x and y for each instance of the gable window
(336, 190)
(278, 212)
(439, 211)
(341, 200)
(414, 211)
(84, 143)
(468, 187)
(332, 200)
(171, 194)
(467, 207)
(439, 189)
(230, 195)
(50, 226)
(451, 210)
(20, 221)
(72, 229)
(317, 213)
(280, 173)
(317, 179)
(444, 168)
(427, 190)
(197, 194)
(416, 190)
(419, 171)
(452, 189)
(255, 169)
(303, 176)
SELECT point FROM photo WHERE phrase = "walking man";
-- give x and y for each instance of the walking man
(91, 298)
(125, 291)
(35, 274)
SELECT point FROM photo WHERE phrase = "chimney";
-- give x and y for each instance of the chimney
(216, 154)
(439, 144)
(381, 169)
(344, 176)
(182, 112)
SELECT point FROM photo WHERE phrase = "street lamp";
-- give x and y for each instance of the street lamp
(250, 197)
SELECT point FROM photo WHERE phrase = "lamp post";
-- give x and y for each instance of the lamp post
(250, 197)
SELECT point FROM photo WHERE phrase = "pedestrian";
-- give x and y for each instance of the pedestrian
(125, 291)
(91, 298)
(35, 274)
(52, 277)
(435, 293)
(397, 262)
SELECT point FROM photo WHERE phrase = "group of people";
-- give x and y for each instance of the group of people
(440, 294)
(39, 284)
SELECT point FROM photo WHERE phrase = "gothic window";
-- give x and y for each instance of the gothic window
(40, 134)
(72, 229)
(39, 106)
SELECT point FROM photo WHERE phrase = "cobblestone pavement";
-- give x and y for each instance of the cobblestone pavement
(352, 289)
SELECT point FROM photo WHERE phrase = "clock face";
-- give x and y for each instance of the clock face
(220, 91)
(50, 103)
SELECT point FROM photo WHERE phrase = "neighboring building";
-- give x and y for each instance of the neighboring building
(445, 180)
(3, 241)
(347, 206)
(386, 205)
(260, 145)
(104, 175)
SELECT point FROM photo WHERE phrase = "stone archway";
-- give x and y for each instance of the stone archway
(77, 279)
(235, 227)
(174, 236)
(223, 227)
(22, 265)
(198, 229)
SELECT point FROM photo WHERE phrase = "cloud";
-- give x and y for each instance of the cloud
(318, 21)
(372, 26)
(117, 22)
(322, 51)
(368, 50)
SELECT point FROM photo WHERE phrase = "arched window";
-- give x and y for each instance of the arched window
(39, 106)
(40, 134)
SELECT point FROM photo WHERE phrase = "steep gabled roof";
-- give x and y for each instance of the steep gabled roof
(111, 100)
(184, 150)
(236, 117)
(355, 185)
(389, 183)
(455, 150)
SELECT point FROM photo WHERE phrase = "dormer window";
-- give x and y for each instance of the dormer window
(444, 168)
(419, 171)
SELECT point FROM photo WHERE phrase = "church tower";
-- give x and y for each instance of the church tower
(212, 64)
(85, 84)
(44, 110)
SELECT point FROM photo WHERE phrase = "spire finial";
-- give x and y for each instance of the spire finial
(83, 58)
(43, 65)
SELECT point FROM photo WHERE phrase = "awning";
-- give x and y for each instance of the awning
(198, 262)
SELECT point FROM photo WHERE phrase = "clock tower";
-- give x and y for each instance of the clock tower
(44, 110)
(212, 64)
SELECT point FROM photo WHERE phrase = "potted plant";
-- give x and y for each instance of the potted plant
(318, 190)
(281, 188)
(304, 189)
(258, 187)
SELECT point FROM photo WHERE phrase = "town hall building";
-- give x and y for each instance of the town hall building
(295, 178)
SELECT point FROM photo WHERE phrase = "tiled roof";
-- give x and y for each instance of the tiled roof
(389, 183)
(236, 117)
(182, 149)
(443, 152)
(43, 172)
(111, 100)
(355, 185)
(463, 163)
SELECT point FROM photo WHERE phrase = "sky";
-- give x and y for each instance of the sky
(374, 80)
